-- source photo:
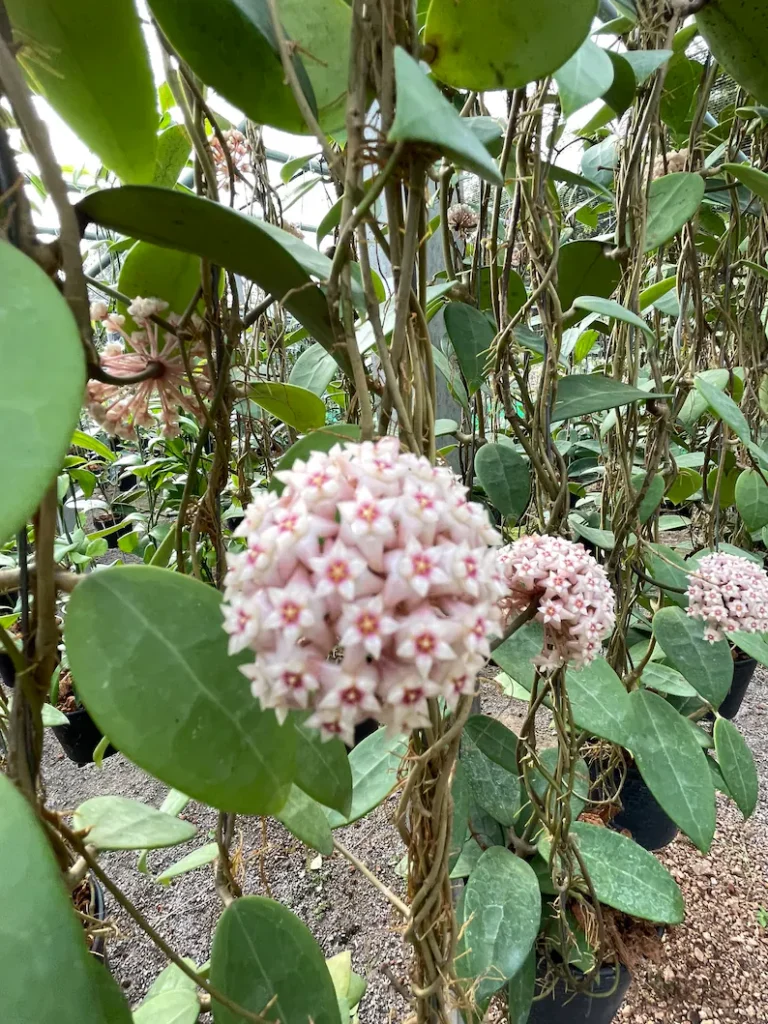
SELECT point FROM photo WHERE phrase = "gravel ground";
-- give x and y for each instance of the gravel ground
(715, 966)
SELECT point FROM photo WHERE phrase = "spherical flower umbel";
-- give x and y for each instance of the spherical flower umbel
(119, 409)
(728, 593)
(366, 588)
(571, 593)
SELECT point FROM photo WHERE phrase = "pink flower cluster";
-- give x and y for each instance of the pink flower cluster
(365, 589)
(572, 595)
(240, 153)
(119, 409)
(728, 593)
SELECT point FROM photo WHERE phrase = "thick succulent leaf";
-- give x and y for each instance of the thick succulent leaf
(118, 823)
(737, 35)
(471, 334)
(306, 819)
(149, 654)
(581, 393)
(673, 766)
(43, 371)
(115, 113)
(585, 77)
(737, 765)
(506, 479)
(504, 44)
(707, 667)
(375, 764)
(231, 45)
(423, 114)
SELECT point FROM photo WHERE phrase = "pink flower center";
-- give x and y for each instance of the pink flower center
(290, 612)
(426, 643)
(351, 695)
(338, 571)
(368, 511)
(422, 565)
(293, 680)
(368, 624)
(288, 523)
(423, 500)
(413, 695)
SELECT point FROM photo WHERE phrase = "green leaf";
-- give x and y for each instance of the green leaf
(322, 768)
(581, 393)
(584, 346)
(672, 201)
(313, 370)
(173, 979)
(471, 334)
(44, 975)
(736, 34)
(599, 162)
(197, 859)
(173, 149)
(232, 47)
(521, 990)
(646, 62)
(613, 309)
(515, 655)
(666, 680)
(752, 499)
(330, 221)
(423, 114)
(656, 558)
(152, 271)
(306, 819)
(755, 180)
(600, 703)
(52, 716)
(723, 407)
(753, 644)
(627, 877)
(673, 766)
(114, 114)
(175, 1006)
(687, 482)
(568, 177)
(297, 407)
(494, 739)
(737, 765)
(92, 444)
(696, 404)
(707, 667)
(584, 269)
(505, 477)
(461, 797)
(585, 77)
(321, 32)
(500, 913)
(375, 763)
(493, 788)
(117, 823)
(321, 440)
(600, 538)
(150, 658)
(504, 44)
(489, 131)
(43, 383)
(292, 167)
(657, 291)
(653, 496)
(263, 956)
(621, 93)
(681, 84)
(579, 796)
(270, 257)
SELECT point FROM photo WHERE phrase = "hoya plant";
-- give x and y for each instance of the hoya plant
(506, 410)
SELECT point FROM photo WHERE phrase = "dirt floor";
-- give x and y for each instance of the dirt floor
(714, 969)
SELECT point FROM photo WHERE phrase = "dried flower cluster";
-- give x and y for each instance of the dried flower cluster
(728, 593)
(120, 409)
(239, 150)
(365, 589)
(462, 220)
(571, 594)
(675, 162)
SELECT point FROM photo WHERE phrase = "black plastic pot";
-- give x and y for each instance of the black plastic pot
(640, 814)
(80, 737)
(743, 670)
(563, 1006)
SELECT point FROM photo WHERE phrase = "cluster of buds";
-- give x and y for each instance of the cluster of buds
(728, 593)
(567, 590)
(462, 220)
(120, 409)
(366, 588)
(239, 151)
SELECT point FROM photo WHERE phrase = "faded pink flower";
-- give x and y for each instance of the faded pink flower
(240, 152)
(573, 597)
(365, 589)
(462, 220)
(119, 409)
(728, 593)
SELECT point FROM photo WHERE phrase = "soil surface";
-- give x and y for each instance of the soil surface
(714, 968)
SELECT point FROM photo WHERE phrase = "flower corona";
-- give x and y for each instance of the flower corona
(364, 589)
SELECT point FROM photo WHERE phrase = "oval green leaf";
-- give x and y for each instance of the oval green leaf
(673, 767)
(506, 479)
(501, 913)
(197, 859)
(322, 768)
(584, 77)
(313, 370)
(232, 47)
(666, 680)
(151, 271)
(737, 765)
(375, 764)
(584, 269)
(504, 44)
(471, 334)
(173, 149)
(117, 823)
(672, 201)
(263, 956)
(48, 974)
(752, 499)
(600, 703)
(298, 407)
(174, 1006)
(150, 659)
(737, 35)
(581, 393)
(707, 667)
(493, 788)
(114, 114)
(43, 372)
(306, 819)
